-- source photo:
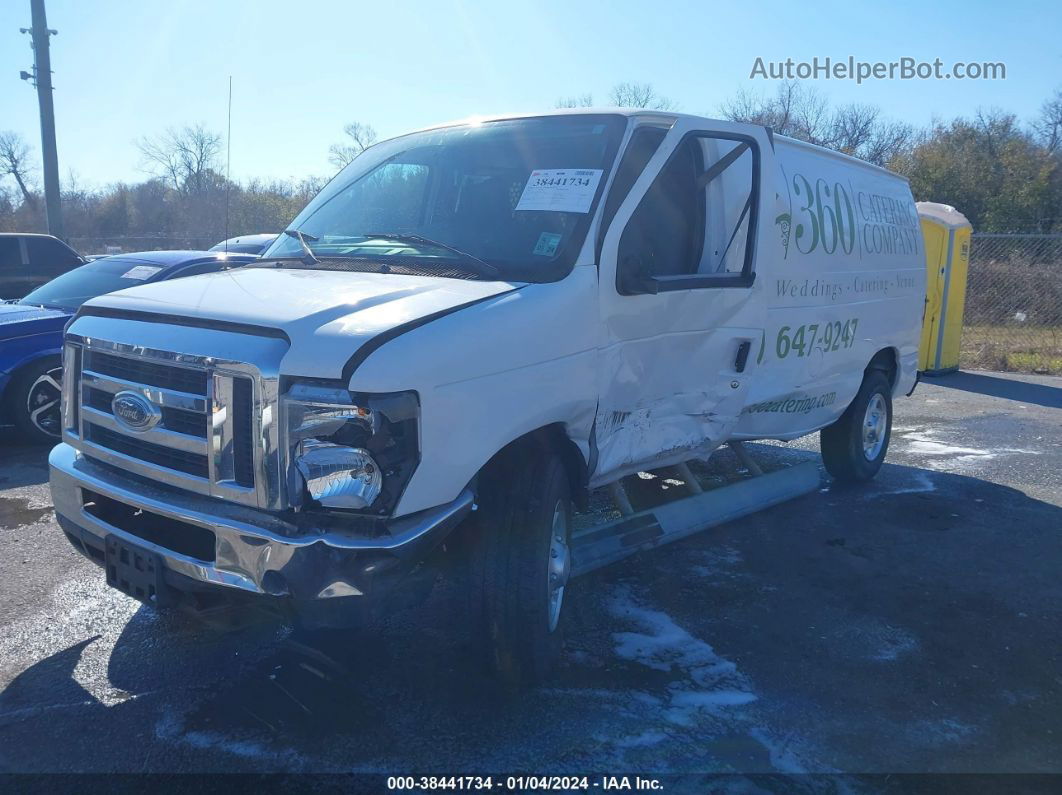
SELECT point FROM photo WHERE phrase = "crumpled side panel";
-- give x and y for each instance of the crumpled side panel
(662, 421)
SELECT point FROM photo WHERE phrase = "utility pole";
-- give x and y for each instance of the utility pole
(42, 79)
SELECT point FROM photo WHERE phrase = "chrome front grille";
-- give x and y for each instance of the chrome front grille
(173, 458)
(190, 381)
(213, 427)
(179, 441)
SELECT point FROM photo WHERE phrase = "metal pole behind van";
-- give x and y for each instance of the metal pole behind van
(42, 63)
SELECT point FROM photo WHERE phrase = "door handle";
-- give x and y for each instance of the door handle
(742, 356)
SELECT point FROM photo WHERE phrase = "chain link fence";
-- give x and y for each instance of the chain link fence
(1013, 318)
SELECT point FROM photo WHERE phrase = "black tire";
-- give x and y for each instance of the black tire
(520, 496)
(847, 451)
(33, 401)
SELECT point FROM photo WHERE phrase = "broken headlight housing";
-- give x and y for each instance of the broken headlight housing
(350, 451)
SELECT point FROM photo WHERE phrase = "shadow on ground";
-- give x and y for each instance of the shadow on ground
(952, 567)
(25, 464)
(1046, 395)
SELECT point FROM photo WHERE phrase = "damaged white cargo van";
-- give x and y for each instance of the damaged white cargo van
(469, 328)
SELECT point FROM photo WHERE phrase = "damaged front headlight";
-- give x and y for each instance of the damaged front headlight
(350, 451)
(338, 476)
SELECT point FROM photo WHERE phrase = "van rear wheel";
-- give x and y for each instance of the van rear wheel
(526, 535)
(854, 447)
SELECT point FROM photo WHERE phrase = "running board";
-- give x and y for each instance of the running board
(598, 546)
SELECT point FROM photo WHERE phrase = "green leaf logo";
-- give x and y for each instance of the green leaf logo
(784, 221)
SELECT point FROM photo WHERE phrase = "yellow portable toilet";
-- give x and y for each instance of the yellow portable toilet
(946, 233)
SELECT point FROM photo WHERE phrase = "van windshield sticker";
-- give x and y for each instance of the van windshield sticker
(563, 190)
(141, 272)
(547, 244)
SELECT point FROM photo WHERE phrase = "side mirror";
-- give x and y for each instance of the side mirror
(634, 278)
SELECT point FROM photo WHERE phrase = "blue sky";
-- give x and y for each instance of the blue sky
(301, 70)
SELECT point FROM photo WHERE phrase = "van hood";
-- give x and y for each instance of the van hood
(326, 315)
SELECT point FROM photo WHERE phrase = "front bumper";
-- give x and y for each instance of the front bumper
(223, 547)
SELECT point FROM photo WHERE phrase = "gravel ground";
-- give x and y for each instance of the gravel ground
(911, 625)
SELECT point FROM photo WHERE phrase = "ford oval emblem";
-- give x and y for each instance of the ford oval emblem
(135, 412)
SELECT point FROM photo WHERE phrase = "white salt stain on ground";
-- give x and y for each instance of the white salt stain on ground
(783, 758)
(718, 563)
(922, 483)
(641, 740)
(707, 695)
(709, 682)
(170, 728)
(949, 457)
(942, 731)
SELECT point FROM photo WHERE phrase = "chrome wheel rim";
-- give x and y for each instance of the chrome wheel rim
(42, 402)
(559, 564)
(874, 426)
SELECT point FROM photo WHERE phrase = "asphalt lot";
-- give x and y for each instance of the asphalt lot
(911, 625)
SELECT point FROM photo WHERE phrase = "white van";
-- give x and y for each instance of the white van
(467, 330)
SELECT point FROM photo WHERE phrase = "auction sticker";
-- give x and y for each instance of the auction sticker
(141, 272)
(563, 190)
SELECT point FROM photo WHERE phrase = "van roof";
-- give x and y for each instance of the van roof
(663, 115)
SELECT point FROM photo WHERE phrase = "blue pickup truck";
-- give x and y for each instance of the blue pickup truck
(31, 328)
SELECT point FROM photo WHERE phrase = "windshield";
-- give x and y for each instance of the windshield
(516, 194)
(243, 246)
(75, 287)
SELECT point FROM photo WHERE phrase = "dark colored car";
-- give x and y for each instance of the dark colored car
(27, 261)
(245, 244)
(31, 329)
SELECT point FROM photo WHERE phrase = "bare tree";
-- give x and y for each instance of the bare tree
(750, 108)
(1048, 127)
(361, 137)
(890, 140)
(188, 158)
(804, 113)
(581, 101)
(810, 118)
(7, 209)
(780, 112)
(14, 161)
(639, 95)
(853, 125)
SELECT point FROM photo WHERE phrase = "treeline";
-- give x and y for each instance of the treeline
(185, 202)
(1005, 176)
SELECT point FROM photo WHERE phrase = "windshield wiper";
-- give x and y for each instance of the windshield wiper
(302, 237)
(483, 268)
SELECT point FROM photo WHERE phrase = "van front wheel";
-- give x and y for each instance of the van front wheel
(526, 518)
(854, 447)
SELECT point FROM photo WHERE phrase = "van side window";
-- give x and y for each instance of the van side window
(642, 146)
(695, 226)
